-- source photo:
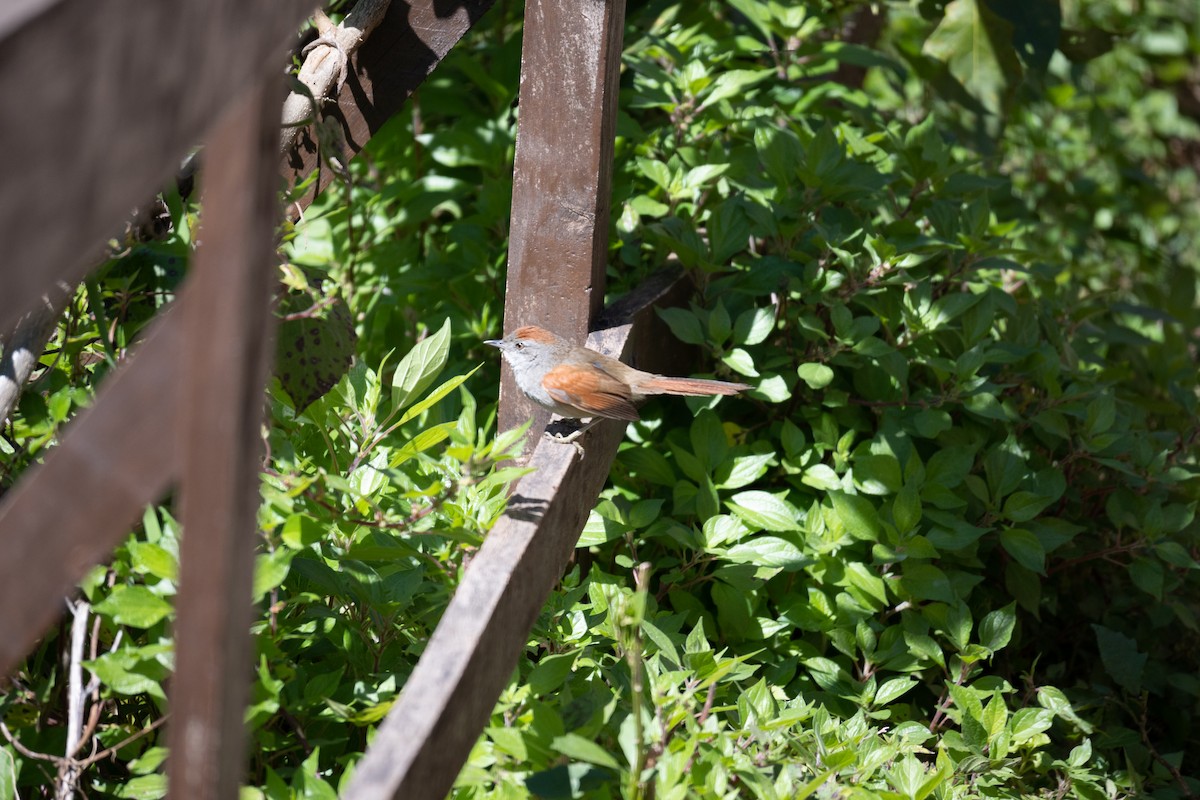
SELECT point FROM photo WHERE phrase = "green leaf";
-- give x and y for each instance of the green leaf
(600, 529)
(421, 442)
(995, 629)
(729, 230)
(271, 570)
(986, 405)
(697, 177)
(817, 376)
(656, 171)
(436, 395)
(1023, 506)
(754, 325)
(1025, 548)
(740, 361)
(780, 152)
(684, 324)
(300, 531)
(821, 476)
(645, 512)
(135, 606)
(892, 689)
(151, 559)
(927, 582)
(977, 46)
(877, 474)
(906, 510)
(735, 612)
(648, 464)
(769, 551)
(576, 747)
(1055, 701)
(1147, 575)
(734, 473)
(858, 515)
(763, 511)
(1029, 722)
(932, 422)
(8, 776)
(1121, 658)
(721, 529)
(662, 641)
(732, 83)
(949, 466)
(867, 587)
(551, 671)
(417, 370)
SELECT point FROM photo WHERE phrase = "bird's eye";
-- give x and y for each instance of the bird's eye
(519, 345)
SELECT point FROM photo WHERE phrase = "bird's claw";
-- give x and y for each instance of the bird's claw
(571, 437)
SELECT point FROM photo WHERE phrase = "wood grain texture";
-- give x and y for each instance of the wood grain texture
(101, 101)
(401, 53)
(225, 359)
(562, 178)
(69, 512)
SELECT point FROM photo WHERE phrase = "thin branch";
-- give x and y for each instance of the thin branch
(325, 68)
(103, 754)
(24, 346)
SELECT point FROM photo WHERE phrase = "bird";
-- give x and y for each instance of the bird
(579, 383)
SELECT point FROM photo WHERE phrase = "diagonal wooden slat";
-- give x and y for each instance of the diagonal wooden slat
(49, 542)
(420, 748)
(101, 100)
(225, 357)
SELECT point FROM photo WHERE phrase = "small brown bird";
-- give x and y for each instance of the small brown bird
(576, 382)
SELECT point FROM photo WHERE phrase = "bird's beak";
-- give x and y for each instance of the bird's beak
(494, 342)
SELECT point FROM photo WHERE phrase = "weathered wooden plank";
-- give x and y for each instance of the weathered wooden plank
(421, 746)
(558, 246)
(100, 102)
(15, 13)
(401, 53)
(225, 359)
(111, 468)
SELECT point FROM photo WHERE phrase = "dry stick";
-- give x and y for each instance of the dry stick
(325, 67)
(24, 347)
(68, 771)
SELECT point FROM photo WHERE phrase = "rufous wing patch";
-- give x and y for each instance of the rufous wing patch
(593, 391)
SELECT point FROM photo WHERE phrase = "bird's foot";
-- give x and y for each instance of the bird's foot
(568, 432)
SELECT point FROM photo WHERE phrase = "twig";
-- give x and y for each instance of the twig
(24, 345)
(103, 754)
(68, 769)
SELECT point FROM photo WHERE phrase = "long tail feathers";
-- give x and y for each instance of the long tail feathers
(690, 386)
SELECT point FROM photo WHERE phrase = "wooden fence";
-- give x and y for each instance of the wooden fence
(101, 101)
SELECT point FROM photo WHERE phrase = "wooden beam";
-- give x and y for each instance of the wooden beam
(225, 359)
(101, 100)
(562, 179)
(111, 468)
(411, 41)
(421, 746)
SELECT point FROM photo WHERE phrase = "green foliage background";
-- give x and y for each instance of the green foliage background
(946, 547)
